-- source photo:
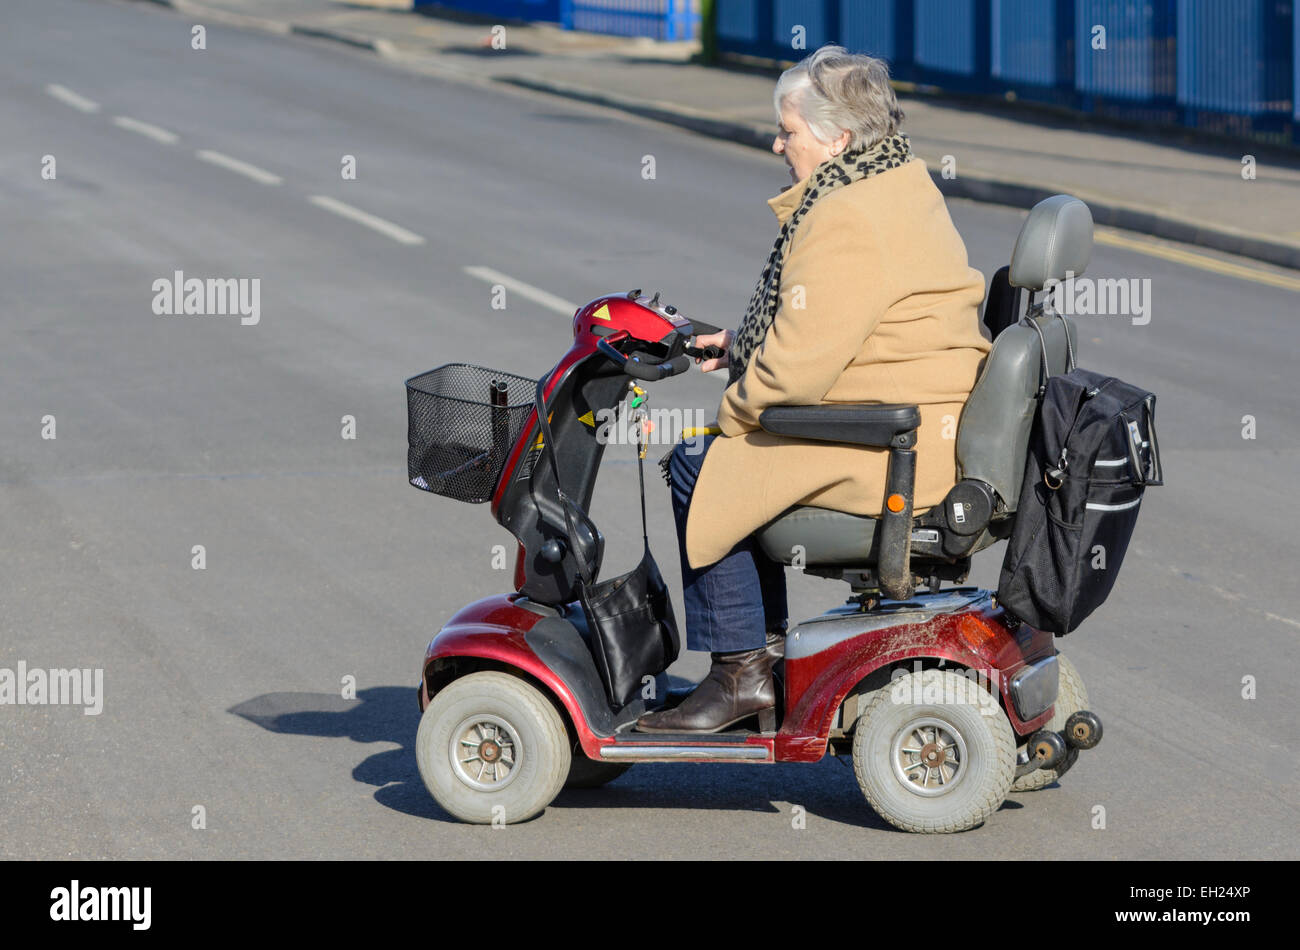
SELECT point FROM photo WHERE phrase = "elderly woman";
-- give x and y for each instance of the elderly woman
(866, 297)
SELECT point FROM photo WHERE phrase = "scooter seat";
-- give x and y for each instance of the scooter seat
(820, 536)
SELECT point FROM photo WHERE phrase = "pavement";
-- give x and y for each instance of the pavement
(1168, 184)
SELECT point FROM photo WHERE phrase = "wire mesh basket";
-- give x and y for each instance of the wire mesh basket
(462, 422)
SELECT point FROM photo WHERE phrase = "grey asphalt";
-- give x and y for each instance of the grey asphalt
(1180, 184)
(223, 686)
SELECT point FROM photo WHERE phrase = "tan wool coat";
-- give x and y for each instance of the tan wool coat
(878, 304)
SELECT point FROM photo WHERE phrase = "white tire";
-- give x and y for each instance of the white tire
(492, 749)
(934, 753)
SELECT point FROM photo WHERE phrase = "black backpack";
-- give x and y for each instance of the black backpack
(1092, 453)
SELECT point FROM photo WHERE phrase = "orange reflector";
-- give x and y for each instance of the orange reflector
(895, 503)
(984, 637)
(977, 635)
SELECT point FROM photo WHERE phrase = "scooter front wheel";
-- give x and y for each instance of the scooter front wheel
(934, 753)
(492, 749)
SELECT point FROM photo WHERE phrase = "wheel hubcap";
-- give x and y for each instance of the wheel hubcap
(485, 753)
(929, 757)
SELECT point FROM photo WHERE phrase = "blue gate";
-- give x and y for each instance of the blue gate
(1224, 65)
(546, 10)
(660, 19)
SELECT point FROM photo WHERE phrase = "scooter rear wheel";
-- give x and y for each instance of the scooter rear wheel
(492, 749)
(934, 753)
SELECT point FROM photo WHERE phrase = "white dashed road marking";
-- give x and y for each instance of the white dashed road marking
(387, 228)
(528, 291)
(258, 175)
(68, 97)
(145, 129)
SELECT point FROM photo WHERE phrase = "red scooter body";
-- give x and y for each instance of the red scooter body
(491, 634)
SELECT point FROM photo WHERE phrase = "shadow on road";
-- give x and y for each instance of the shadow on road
(378, 714)
(825, 790)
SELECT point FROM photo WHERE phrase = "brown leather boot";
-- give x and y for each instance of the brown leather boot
(776, 649)
(738, 686)
(775, 646)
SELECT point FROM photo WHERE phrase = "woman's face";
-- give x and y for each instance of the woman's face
(803, 153)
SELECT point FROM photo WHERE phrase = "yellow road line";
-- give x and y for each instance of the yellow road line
(1199, 261)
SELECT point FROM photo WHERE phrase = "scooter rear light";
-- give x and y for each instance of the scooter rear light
(977, 636)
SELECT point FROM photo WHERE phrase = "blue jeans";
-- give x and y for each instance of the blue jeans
(732, 603)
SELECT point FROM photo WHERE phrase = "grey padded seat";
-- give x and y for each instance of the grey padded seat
(993, 432)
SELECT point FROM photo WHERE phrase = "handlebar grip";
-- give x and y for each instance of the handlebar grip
(680, 365)
(652, 372)
(705, 353)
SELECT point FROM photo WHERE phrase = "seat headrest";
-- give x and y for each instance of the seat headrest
(1056, 239)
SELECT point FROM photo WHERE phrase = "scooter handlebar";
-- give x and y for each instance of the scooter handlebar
(653, 372)
(637, 369)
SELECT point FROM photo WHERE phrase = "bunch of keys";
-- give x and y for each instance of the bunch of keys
(641, 419)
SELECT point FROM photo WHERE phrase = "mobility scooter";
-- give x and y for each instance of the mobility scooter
(943, 699)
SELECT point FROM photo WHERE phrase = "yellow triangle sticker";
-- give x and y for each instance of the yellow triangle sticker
(602, 313)
(588, 419)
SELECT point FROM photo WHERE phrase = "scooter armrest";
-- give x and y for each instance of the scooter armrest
(881, 425)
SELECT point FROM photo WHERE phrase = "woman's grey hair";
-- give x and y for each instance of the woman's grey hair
(834, 90)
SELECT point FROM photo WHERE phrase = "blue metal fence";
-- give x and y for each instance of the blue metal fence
(1032, 43)
(1256, 83)
(738, 25)
(1228, 65)
(660, 19)
(951, 38)
(811, 16)
(545, 10)
(1125, 49)
(873, 25)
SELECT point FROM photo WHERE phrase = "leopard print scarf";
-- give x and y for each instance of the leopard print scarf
(847, 168)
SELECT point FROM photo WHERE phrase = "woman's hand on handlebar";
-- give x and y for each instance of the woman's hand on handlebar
(722, 341)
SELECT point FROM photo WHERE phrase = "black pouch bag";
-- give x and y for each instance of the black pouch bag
(632, 627)
(630, 617)
(1092, 454)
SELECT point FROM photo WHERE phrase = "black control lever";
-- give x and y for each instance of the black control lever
(705, 353)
